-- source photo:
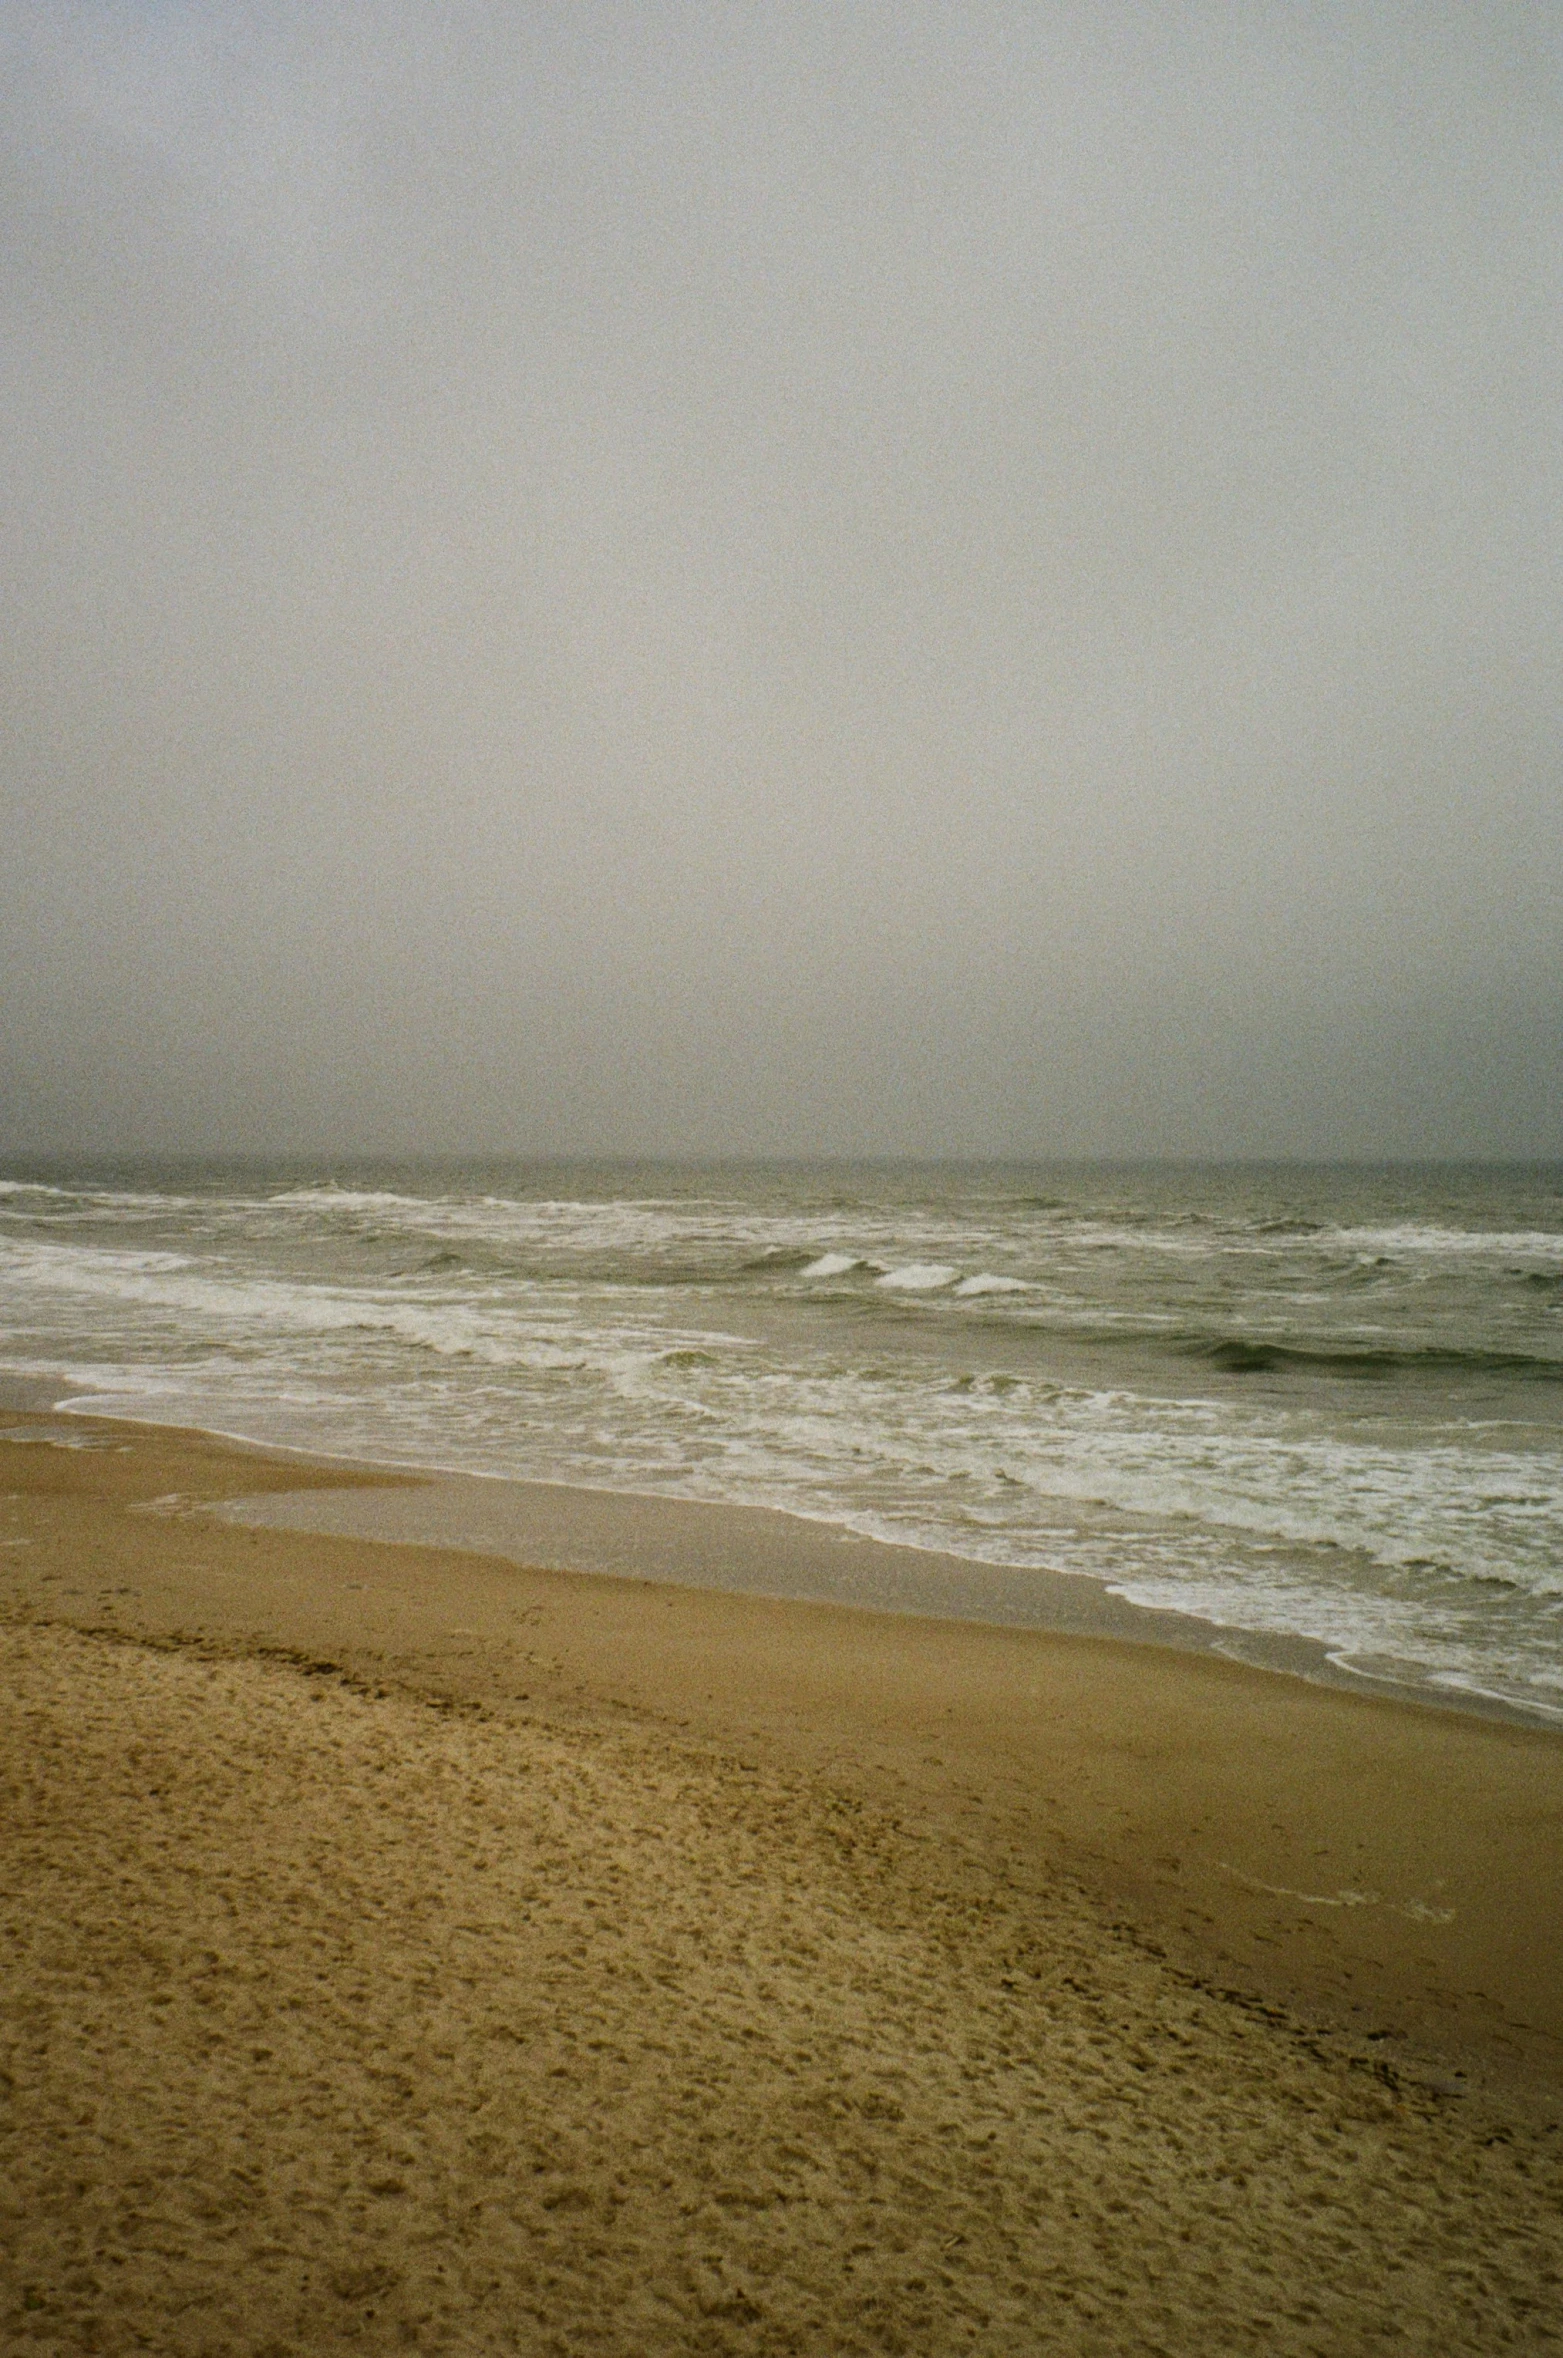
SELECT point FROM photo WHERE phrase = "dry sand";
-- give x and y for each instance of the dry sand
(407, 1951)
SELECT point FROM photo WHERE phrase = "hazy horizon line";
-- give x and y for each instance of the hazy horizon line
(464, 1158)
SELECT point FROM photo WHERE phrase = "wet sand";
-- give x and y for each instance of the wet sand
(407, 1949)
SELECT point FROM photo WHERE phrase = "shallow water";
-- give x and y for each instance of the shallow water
(1306, 1402)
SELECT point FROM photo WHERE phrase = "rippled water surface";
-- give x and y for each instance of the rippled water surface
(1321, 1402)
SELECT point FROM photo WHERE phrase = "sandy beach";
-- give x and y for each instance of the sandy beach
(407, 1949)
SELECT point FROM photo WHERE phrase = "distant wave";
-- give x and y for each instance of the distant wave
(1242, 1355)
(99, 1199)
(352, 1199)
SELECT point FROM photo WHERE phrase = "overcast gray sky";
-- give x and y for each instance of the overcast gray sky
(798, 578)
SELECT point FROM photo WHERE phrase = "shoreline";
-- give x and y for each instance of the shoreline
(767, 1551)
(1328, 1847)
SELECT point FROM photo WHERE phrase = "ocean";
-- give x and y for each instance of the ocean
(1316, 1403)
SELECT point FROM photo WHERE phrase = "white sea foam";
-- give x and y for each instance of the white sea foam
(88, 1268)
(831, 1265)
(1525, 1243)
(918, 1277)
(1103, 1236)
(983, 1283)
